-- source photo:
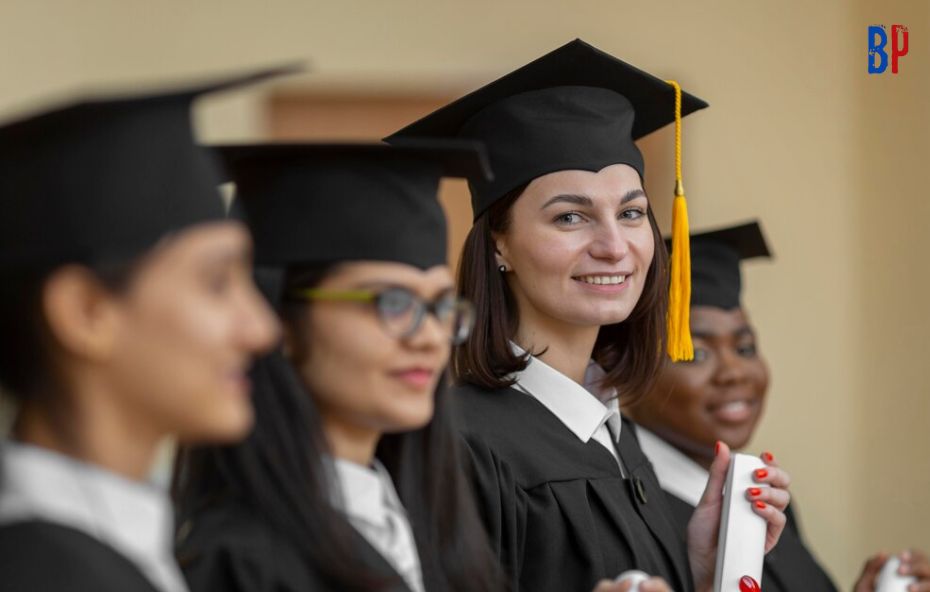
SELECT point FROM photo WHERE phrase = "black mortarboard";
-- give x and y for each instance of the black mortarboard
(104, 178)
(574, 108)
(715, 263)
(325, 203)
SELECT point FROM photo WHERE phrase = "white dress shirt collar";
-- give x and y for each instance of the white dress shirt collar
(366, 493)
(678, 474)
(578, 408)
(134, 518)
(370, 502)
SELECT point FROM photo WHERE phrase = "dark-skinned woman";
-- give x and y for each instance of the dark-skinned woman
(720, 396)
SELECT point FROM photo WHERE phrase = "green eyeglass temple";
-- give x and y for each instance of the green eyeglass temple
(336, 295)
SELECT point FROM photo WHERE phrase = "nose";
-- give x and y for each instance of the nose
(429, 335)
(259, 327)
(731, 368)
(609, 242)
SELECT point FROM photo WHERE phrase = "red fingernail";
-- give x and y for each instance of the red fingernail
(761, 473)
(747, 584)
(755, 491)
(767, 457)
(760, 505)
(717, 448)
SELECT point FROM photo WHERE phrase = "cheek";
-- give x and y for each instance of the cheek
(345, 358)
(759, 374)
(689, 394)
(543, 266)
(178, 357)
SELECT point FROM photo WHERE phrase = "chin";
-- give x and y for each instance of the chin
(602, 317)
(408, 419)
(736, 438)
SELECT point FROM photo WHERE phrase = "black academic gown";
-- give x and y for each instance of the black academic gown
(227, 548)
(789, 567)
(44, 557)
(559, 514)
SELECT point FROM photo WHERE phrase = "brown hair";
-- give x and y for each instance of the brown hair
(631, 352)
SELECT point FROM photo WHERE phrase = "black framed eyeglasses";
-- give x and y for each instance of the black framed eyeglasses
(401, 311)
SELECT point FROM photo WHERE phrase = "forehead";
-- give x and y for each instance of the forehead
(389, 272)
(713, 321)
(612, 181)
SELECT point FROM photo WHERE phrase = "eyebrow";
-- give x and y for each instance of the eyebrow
(584, 200)
(235, 256)
(741, 332)
(386, 284)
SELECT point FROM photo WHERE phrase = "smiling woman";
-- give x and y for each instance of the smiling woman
(350, 480)
(720, 396)
(567, 271)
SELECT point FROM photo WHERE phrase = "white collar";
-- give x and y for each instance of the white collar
(366, 493)
(577, 407)
(134, 518)
(678, 474)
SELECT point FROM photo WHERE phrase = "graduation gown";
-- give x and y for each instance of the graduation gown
(789, 567)
(227, 548)
(69, 525)
(40, 556)
(559, 513)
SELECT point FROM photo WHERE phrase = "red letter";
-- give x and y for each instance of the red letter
(897, 51)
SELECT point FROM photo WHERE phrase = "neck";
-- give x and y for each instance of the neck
(701, 459)
(91, 427)
(350, 442)
(568, 348)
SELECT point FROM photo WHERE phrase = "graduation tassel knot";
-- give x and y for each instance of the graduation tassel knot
(680, 347)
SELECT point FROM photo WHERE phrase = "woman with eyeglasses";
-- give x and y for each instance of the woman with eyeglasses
(351, 479)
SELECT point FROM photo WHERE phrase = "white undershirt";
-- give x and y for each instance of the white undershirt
(132, 517)
(587, 413)
(369, 500)
(678, 474)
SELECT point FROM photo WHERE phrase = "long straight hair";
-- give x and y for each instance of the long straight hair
(279, 474)
(631, 352)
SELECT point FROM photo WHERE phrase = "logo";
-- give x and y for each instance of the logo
(878, 41)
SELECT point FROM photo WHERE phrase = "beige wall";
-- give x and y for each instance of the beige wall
(798, 134)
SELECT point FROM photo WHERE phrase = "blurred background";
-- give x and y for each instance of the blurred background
(831, 159)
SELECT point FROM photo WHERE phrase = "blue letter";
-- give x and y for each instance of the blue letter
(877, 49)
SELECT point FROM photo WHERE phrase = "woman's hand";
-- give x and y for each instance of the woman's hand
(650, 585)
(703, 529)
(913, 563)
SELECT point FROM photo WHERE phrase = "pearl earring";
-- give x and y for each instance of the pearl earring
(502, 268)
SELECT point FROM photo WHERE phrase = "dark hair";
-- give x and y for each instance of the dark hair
(631, 352)
(279, 474)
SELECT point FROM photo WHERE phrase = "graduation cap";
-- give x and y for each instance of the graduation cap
(325, 203)
(574, 108)
(715, 263)
(102, 179)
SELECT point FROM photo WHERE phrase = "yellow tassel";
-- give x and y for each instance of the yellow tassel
(680, 347)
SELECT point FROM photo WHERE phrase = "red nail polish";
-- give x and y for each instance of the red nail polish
(767, 457)
(761, 505)
(747, 584)
(755, 491)
(761, 473)
(717, 448)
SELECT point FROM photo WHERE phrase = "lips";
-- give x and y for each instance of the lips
(734, 411)
(417, 378)
(240, 381)
(599, 280)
